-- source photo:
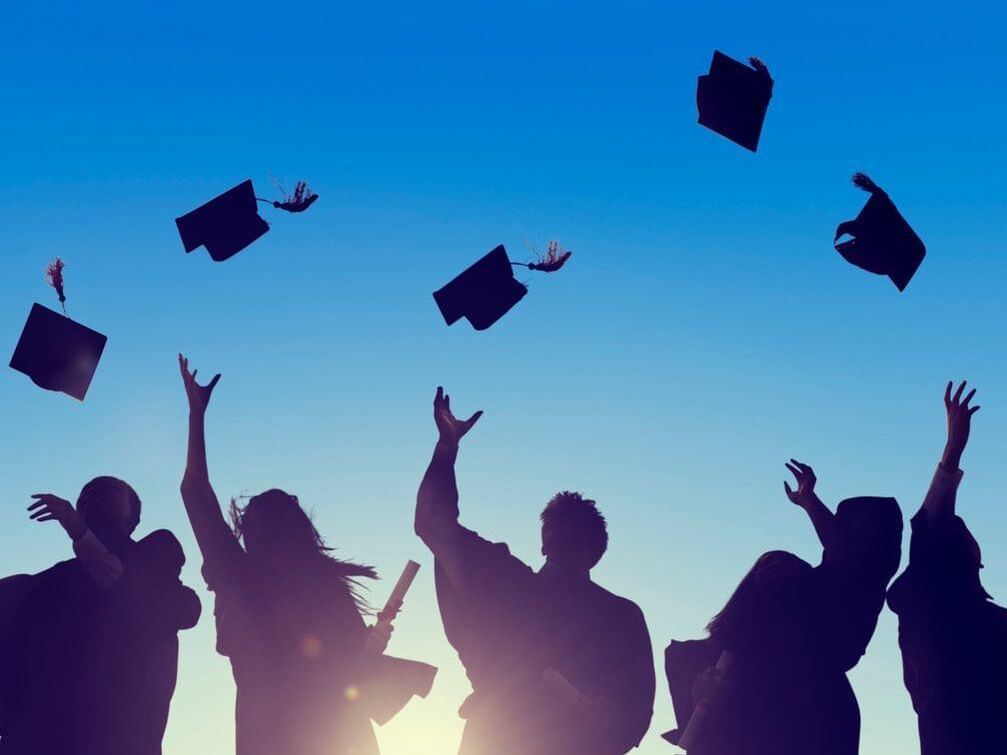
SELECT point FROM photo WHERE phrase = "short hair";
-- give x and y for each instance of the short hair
(105, 487)
(577, 525)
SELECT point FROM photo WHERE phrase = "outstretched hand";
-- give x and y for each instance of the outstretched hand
(198, 395)
(48, 508)
(959, 415)
(805, 477)
(451, 429)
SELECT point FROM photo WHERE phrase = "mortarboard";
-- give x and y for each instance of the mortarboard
(487, 290)
(732, 99)
(57, 353)
(230, 222)
(883, 242)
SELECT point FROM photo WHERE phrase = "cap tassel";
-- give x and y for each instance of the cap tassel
(862, 181)
(54, 277)
(301, 199)
(759, 65)
(553, 260)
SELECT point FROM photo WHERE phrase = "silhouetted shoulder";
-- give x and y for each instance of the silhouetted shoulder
(618, 605)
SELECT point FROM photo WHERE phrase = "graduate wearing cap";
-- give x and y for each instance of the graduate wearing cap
(952, 636)
(771, 677)
(558, 665)
(311, 676)
(89, 647)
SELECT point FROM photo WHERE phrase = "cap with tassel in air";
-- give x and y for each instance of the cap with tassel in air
(487, 290)
(733, 98)
(57, 353)
(230, 222)
(883, 241)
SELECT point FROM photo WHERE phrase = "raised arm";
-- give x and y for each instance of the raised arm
(821, 518)
(214, 537)
(437, 499)
(939, 503)
(101, 565)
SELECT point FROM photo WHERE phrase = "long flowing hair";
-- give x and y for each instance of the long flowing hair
(303, 539)
(769, 606)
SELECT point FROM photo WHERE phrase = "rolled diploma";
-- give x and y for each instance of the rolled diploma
(394, 602)
(560, 684)
(694, 728)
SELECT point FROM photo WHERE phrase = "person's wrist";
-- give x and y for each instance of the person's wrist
(75, 528)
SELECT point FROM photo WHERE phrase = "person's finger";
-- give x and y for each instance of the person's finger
(801, 465)
(45, 518)
(958, 393)
(789, 490)
(213, 383)
(968, 398)
(37, 504)
(947, 394)
(439, 396)
(447, 402)
(793, 470)
(973, 410)
(37, 516)
(194, 375)
(473, 419)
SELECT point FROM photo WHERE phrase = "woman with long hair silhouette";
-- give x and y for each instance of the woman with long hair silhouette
(771, 677)
(289, 618)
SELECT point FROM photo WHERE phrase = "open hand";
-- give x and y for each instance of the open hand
(959, 423)
(198, 395)
(805, 477)
(451, 428)
(48, 508)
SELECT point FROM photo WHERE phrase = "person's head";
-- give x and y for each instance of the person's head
(768, 606)
(110, 508)
(869, 537)
(279, 535)
(574, 535)
(273, 526)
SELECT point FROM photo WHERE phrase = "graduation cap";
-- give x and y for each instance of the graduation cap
(487, 290)
(57, 353)
(227, 224)
(732, 99)
(883, 242)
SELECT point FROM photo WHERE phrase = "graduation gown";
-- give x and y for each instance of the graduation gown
(509, 624)
(791, 696)
(305, 685)
(87, 671)
(953, 638)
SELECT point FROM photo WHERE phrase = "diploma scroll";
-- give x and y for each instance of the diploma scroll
(394, 603)
(694, 729)
(561, 685)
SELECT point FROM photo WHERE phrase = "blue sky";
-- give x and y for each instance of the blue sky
(704, 331)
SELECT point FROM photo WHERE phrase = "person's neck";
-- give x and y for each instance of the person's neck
(563, 572)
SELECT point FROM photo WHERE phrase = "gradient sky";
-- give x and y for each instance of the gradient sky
(704, 331)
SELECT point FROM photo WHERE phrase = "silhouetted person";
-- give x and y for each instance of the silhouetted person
(310, 673)
(953, 637)
(771, 677)
(557, 664)
(89, 652)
